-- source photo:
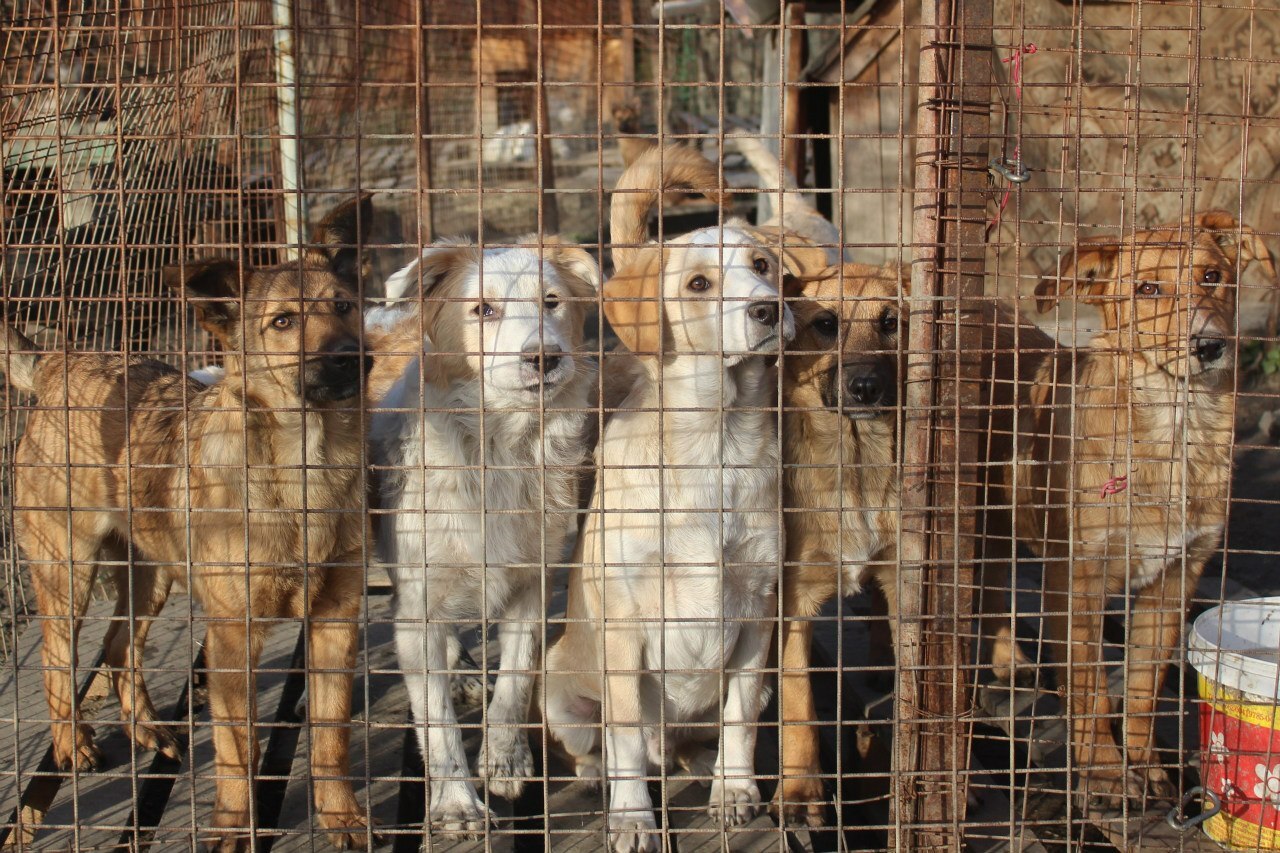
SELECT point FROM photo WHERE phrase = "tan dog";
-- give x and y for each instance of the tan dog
(842, 382)
(668, 609)
(248, 489)
(1136, 434)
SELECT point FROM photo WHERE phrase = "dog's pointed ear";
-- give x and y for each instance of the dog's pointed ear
(633, 306)
(340, 237)
(1085, 271)
(1240, 243)
(213, 287)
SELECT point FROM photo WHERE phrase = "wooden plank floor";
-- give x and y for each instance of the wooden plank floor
(171, 802)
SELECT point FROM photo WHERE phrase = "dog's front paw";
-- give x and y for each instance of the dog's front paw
(505, 764)
(152, 736)
(230, 831)
(348, 831)
(459, 813)
(801, 802)
(734, 801)
(1106, 788)
(74, 749)
(632, 834)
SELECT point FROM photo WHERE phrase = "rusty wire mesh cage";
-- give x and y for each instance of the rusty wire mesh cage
(959, 562)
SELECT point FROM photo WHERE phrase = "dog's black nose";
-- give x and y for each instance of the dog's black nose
(1209, 350)
(546, 358)
(865, 389)
(344, 358)
(764, 313)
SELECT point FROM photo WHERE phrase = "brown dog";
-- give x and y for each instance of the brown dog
(841, 391)
(1124, 459)
(248, 489)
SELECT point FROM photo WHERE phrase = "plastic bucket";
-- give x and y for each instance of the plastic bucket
(1235, 649)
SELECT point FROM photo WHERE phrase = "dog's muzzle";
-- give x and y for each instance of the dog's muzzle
(862, 389)
(768, 315)
(336, 375)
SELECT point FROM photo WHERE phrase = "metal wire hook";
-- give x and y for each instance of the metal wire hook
(1184, 824)
(1000, 169)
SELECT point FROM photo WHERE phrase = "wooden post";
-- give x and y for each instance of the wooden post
(792, 45)
(548, 212)
(426, 224)
(940, 434)
(627, 25)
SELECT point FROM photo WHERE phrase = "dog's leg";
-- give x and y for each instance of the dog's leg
(570, 695)
(735, 796)
(63, 578)
(1075, 626)
(1158, 614)
(144, 589)
(232, 650)
(333, 633)
(455, 808)
(801, 791)
(505, 759)
(632, 826)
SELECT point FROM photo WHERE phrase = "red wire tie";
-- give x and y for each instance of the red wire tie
(1016, 58)
(1115, 486)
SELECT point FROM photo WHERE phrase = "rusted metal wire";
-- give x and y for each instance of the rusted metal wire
(134, 138)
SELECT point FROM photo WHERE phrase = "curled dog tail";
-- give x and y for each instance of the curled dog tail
(773, 178)
(658, 169)
(22, 356)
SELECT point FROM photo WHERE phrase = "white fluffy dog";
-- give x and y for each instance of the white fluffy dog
(478, 449)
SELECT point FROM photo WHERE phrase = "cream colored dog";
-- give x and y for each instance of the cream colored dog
(668, 616)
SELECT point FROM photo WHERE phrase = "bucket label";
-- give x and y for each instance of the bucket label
(1240, 762)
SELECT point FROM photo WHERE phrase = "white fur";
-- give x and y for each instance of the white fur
(791, 210)
(453, 548)
(669, 585)
(210, 374)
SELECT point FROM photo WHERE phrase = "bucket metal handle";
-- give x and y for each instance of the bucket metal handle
(1176, 814)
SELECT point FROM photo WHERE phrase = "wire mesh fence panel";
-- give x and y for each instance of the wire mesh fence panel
(603, 425)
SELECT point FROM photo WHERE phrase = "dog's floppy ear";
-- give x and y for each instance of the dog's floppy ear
(1240, 243)
(213, 286)
(1086, 270)
(800, 256)
(340, 237)
(421, 277)
(576, 264)
(632, 303)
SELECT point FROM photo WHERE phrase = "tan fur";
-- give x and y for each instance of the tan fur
(834, 462)
(1138, 404)
(659, 168)
(700, 315)
(146, 456)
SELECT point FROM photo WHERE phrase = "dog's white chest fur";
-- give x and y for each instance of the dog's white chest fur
(695, 542)
(469, 504)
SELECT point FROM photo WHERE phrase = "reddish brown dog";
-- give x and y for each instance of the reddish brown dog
(248, 490)
(1124, 461)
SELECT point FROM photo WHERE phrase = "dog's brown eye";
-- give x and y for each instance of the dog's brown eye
(1148, 288)
(284, 321)
(484, 309)
(826, 324)
(551, 302)
(889, 322)
(342, 307)
(1212, 275)
(699, 284)
(761, 265)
